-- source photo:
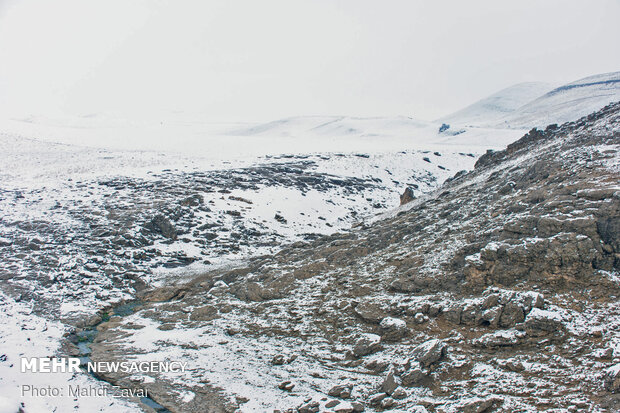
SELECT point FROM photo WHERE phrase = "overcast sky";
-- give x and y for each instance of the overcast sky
(262, 60)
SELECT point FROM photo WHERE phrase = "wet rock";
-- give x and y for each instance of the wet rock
(367, 344)
(393, 329)
(430, 352)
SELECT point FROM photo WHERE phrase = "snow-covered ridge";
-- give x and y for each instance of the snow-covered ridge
(543, 105)
(499, 104)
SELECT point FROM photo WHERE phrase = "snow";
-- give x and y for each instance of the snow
(529, 105)
(47, 156)
(25, 335)
(499, 104)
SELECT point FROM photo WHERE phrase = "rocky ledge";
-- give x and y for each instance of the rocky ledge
(497, 292)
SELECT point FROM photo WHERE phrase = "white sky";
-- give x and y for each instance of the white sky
(250, 60)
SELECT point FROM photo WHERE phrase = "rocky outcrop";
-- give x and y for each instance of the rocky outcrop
(497, 292)
(407, 196)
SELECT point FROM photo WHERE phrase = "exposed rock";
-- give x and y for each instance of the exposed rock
(414, 377)
(390, 383)
(367, 344)
(399, 393)
(541, 322)
(611, 379)
(370, 312)
(407, 196)
(310, 407)
(429, 352)
(253, 291)
(278, 360)
(393, 329)
(205, 313)
(376, 399)
(161, 225)
(286, 385)
(332, 403)
(343, 391)
(479, 405)
(357, 406)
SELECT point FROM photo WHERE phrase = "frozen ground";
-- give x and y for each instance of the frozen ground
(95, 209)
(76, 196)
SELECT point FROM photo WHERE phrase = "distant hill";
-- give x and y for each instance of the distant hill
(334, 126)
(498, 104)
(562, 104)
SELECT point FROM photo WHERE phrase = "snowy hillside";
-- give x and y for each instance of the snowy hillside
(566, 103)
(337, 126)
(529, 105)
(498, 104)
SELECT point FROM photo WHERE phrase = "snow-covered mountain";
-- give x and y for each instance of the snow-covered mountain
(499, 104)
(566, 103)
(96, 209)
(529, 105)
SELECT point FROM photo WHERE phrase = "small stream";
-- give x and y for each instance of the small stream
(88, 335)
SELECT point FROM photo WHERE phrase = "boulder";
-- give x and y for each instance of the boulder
(413, 377)
(206, 313)
(407, 196)
(430, 352)
(390, 383)
(162, 225)
(343, 391)
(541, 322)
(393, 329)
(371, 312)
(367, 344)
(479, 405)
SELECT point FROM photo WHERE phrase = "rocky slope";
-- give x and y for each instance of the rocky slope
(497, 292)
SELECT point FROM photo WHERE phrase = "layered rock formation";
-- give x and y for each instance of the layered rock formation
(498, 292)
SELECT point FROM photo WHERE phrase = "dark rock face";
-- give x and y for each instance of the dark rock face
(407, 196)
(503, 283)
(161, 225)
